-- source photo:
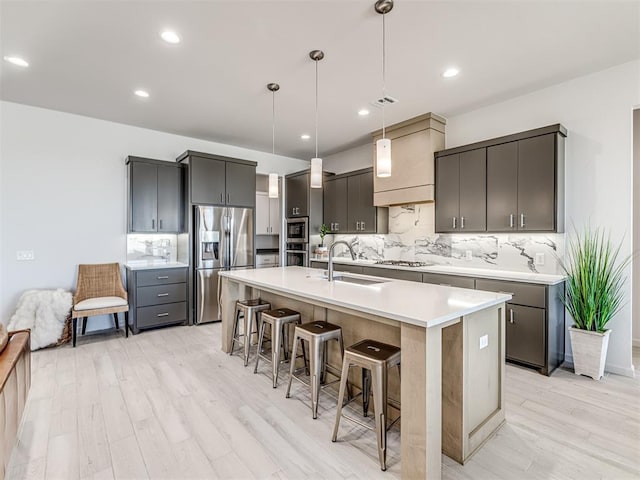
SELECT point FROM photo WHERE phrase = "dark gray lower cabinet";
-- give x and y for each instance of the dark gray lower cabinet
(391, 273)
(525, 334)
(157, 297)
(449, 280)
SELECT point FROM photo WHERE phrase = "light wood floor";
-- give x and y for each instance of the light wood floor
(169, 404)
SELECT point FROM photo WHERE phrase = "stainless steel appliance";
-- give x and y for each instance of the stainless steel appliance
(298, 230)
(223, 241)
(403, 263)
(297, 254)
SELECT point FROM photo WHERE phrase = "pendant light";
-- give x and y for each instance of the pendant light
(316, 162)
(273, 177)
(383, 146)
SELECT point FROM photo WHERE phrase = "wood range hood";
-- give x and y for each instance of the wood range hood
(413, 143)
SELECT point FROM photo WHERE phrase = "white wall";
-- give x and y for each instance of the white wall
(62, 191)
(597, 111)
(636, 228)
(349, 160)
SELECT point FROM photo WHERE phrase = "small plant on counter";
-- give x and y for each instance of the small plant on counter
(323, 231)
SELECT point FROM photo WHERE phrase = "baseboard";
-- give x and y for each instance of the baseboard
(618, 370)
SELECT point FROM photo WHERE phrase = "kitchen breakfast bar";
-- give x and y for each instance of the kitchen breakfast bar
(452, 344)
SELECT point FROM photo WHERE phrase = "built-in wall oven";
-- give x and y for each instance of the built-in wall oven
(297, 252)
(298, 230)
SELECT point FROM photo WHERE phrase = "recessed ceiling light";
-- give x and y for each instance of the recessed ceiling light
(450, 72)
(363, 113)
(142, 93)
(305, 136)
(21, 62)
(170, 37)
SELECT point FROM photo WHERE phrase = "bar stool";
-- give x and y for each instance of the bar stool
(248, 309)
(317, 334)
(279, 321)
(375, 359)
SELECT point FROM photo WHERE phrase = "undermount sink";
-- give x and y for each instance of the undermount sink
(357, 280)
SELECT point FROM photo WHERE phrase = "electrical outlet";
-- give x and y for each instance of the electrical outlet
(468, 255)
(23, 255)
(484, 341)
(540, 258)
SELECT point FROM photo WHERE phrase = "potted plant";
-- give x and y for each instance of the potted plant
(323, 232)
(593, 296)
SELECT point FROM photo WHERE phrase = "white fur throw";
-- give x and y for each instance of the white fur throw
(44, 312)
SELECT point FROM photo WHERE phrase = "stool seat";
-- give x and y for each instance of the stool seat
(248, 310)
(319, 328)
(375, 358)
(279, 320)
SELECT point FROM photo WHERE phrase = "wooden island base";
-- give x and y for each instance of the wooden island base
(451, 392)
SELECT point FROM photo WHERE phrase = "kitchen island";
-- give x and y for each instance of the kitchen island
(452, 343)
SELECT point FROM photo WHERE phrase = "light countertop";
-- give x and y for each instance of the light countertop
(144, 265)
(421, 304)
(527, 277)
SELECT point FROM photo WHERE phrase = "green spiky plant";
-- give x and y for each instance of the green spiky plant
(323, 231)
(594, 280)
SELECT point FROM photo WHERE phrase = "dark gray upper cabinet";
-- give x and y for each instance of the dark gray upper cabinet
(155, 196)
(217, 180)
(348, 204)
(335, 205)
(461, 192)
(297, 191)
(502, 187)
(519, 188)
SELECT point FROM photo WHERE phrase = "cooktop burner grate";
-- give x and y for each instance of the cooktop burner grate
(403, 263)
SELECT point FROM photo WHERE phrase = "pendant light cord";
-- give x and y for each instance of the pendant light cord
(316, 108)
(273, 122)
(384, 72)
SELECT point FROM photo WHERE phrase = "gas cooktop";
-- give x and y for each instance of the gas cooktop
(403, 263)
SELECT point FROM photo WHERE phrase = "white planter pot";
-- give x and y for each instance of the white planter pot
(589, 352)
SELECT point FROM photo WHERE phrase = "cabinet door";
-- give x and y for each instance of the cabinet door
(449, 280)
(525, 335)
(207, 181)
(144, 197)
(391, 273)
(241, 185)
(365, 211)
(170, 200)
(473, 191)
(335, 205)
(536, 183)
(274, 216)
(297, 202)
(262, 214)
(447, 193)
(502, 187)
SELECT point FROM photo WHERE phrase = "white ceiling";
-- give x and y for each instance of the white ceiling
(88, 57)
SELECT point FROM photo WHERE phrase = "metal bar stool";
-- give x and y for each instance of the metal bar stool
(317, 334)
(248, 309)
(279, 321)
(375, 359)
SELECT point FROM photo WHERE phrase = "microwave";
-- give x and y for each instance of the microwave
(298, 230)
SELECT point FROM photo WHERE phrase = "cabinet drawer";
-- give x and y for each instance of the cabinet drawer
(523, 293)
(449, 280)
(340, 267)
(161, 314)
(160, 294)
(161, 276)
(395, 274)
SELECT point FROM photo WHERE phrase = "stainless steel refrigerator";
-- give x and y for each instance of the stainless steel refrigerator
(223, 241)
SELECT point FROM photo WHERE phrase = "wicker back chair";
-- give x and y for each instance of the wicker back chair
(99, 292)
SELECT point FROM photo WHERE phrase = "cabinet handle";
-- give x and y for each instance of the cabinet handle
(362, 225)
(357, 226)
(228, 198)
(163, 294)
(163, 278)
(153, 224)
(461, 222)
(166, 314)
(522, 220)
(511, 315)
(511, 220)
(337, 227)
(160, 224)
(221, 197)
(455, 222)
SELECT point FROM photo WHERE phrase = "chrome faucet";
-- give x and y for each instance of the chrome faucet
(330, 267)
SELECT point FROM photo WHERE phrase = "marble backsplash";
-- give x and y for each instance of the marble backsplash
(152, 248)
(411, 238)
